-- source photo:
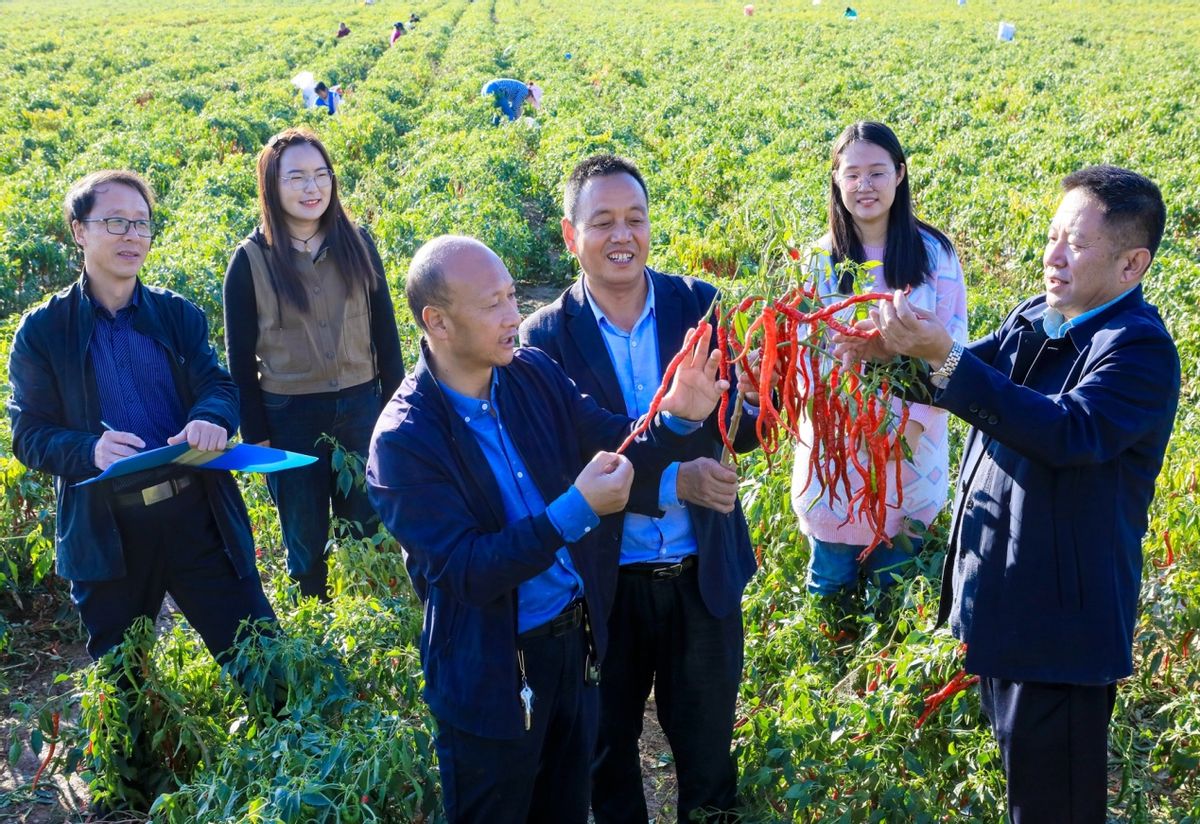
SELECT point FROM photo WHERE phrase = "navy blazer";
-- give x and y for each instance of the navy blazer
(432, 486)
(55, 410)
(567, 330)
(1044, 568)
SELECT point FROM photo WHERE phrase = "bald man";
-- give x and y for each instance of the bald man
(493, 471)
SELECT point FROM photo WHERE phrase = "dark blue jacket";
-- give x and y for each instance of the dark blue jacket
(55, 411)
(432, 486)
(1044, 569)
(567, 331)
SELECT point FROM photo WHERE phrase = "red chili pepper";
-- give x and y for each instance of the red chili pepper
(50, 754)
(668, 374)
(1170, 559)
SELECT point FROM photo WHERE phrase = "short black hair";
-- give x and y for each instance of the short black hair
(79, 201)
(1133, 205)
(425, 284)
(321, 87)
(598, 165)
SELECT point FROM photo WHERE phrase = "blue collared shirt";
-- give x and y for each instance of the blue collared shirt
(133, 376)
(545, 595)
(1055, 325)
(634, 356)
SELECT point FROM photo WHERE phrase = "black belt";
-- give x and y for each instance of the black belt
(661, 572)
(154, 494)
(567, 620)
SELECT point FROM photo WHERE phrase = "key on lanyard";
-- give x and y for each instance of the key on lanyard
(526, 692)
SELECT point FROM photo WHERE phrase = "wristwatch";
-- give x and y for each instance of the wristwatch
(942, 376)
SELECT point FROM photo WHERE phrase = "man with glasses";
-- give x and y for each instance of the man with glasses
(102, 370)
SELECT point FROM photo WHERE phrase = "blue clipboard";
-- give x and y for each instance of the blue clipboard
(243, 457)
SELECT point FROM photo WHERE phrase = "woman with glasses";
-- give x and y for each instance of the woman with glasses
(871, 218)
(312, 344)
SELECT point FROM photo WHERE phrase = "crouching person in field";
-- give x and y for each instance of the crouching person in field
(493, 471)
(102, 370)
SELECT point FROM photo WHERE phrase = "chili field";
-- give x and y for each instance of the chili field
(731, 117)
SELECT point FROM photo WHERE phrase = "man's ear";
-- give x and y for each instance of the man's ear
(1134, 263)
(77, 229)
(568, 230)
(435, 320)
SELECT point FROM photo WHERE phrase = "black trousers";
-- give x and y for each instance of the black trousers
(171, 546)
(662, 635)
(541, 777)
(1054, 744)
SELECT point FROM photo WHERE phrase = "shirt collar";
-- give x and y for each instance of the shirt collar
(1055, 325)
(602, 319)
(469, 408)
(100, 308)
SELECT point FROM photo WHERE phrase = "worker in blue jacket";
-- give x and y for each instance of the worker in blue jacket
(494, 471)
(676, 621)
(1071, 404)
(104, 369)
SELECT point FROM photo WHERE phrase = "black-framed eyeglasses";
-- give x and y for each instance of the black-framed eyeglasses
(120, 225)
(322, 177)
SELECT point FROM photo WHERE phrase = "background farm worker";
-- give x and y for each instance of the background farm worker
(1071, 403)
(398, 31)
(471, 468)
(343, 30)
(328, 98)
(312, 344)
(676, 622)
(109, 367)
(510, 95)
(414, 18)
(871, 218)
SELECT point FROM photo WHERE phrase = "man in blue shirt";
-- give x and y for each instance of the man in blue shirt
(676, 622)
(327, 98)
(510, 95)
(104, 369)
(494, 473)
(1071, 403)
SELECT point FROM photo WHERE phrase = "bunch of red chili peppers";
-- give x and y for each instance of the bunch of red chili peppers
(848, 409)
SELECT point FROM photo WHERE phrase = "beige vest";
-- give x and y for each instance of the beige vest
(325, 349)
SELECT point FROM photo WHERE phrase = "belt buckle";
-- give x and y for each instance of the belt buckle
(159, 492)
(567, 620)
(668, 572)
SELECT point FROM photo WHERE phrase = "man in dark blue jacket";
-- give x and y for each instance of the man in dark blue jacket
(1071, 403)
(492, 471)
(676, 622)
(102, 370)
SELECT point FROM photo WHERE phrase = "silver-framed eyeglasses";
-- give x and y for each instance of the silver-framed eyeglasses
(297, 182)
(120, 225)
(853, 181)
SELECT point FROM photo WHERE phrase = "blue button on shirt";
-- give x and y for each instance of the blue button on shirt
(133, 376)
(634, 356)
(545, 595)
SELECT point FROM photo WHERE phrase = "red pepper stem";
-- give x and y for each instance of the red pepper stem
(728, 458)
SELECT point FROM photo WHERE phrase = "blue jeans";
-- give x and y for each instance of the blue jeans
(833, 568)
(304, 495)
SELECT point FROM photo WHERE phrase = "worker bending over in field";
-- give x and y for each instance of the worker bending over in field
(509, 96)
(102, 370)
(1071, 403)
(676, 623)
(493, 471)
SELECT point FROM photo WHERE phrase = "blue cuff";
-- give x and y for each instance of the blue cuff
(668, 489)
(749, 409)
(680, 426)
(570, 514)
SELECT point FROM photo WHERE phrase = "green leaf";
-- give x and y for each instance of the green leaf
(35, 742)
(14, 751)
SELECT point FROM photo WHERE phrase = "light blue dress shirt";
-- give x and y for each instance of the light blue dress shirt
(545, 595)
(634, 356)
(1055, 325)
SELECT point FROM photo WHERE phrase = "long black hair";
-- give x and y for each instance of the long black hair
(906, 261)
(343, 238)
